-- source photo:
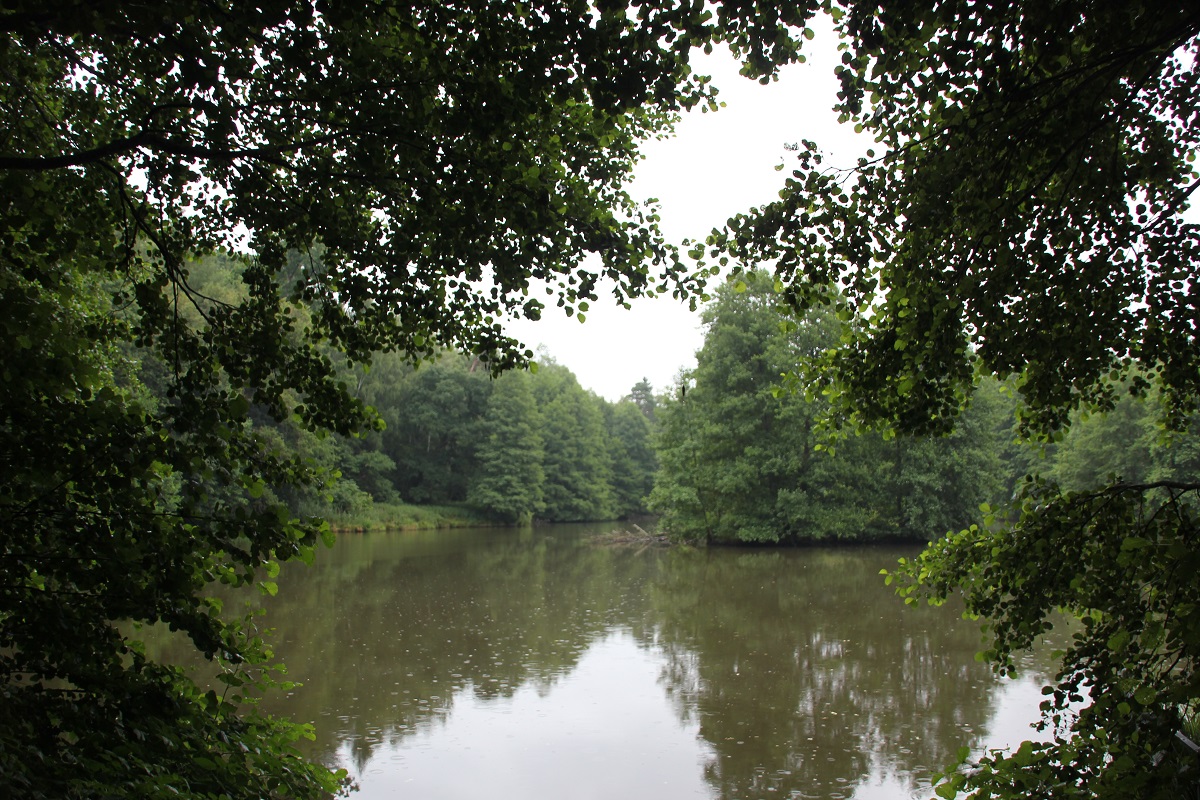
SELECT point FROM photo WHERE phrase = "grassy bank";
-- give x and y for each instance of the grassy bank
(402, 517)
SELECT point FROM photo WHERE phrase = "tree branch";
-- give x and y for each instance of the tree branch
(156, 141)
(1180, 486)
(78, 158)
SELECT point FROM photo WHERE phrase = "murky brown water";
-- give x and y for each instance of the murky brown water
(532, 664)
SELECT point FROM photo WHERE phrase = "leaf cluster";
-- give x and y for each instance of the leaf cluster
(1023, 216)
(1022, 213)
(1123, 559)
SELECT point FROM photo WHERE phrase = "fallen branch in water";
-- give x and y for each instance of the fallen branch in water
(638, 536)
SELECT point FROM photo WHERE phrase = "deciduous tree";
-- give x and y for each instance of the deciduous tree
(1023, 215)
(425, 164)
(744, 461)
(577, 463)
(632, 455)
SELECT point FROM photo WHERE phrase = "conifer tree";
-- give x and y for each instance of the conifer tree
(510, 482)
(577, 462)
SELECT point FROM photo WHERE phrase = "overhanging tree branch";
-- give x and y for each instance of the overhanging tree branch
(78, 158)
(155, 140)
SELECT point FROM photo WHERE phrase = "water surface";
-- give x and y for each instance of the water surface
(535, 664)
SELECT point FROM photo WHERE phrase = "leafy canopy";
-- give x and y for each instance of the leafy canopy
(397, 178)
(1024, 215)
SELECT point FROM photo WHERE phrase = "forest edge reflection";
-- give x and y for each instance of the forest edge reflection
(792, 672)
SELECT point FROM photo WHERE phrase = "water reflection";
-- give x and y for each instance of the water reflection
(453, 663)
(603, 730)
(809, 678)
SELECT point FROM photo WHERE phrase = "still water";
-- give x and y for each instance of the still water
(448, 665)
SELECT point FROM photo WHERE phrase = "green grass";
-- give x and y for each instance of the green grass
(403, 517)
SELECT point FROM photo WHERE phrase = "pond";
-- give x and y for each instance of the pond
(536, 664)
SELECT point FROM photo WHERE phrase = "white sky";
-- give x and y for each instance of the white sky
(715, 166)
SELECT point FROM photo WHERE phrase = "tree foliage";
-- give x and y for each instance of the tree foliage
(511, 480)
(398, 176)
(578, 465)
(642, 394)
(433, 423)
(742, 460)
(1123, 559)
(1023, 215)
(631, 453)
(440, 442)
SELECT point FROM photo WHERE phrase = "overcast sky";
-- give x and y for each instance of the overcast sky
(716, 165)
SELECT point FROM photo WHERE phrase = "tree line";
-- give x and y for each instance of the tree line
(735, 452)
(747, 455)
(447, 431)
(525, 445)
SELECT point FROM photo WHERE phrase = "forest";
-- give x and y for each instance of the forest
(448, 432)
(734, 453)
(242, 247)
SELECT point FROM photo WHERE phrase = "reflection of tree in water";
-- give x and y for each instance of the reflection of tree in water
(805, 671)
(387, 630)
(801, 669)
